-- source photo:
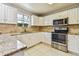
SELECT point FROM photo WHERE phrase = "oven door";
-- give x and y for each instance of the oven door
(62, 38)
(54, 37)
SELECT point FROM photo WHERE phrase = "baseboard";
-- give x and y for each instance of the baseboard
(39, 43)
(45, 43)
(34, 45)
(74, 53)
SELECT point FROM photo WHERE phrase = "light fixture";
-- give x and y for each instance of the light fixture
(50, 3)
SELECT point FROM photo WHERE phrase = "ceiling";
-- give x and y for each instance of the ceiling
(43, 8)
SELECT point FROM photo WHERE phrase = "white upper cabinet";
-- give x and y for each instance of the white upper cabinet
(37, 21)
(78, 15)
(60, 15)
(11, 15)
(34, 20)
(41, 21)
(2, 13)
(48, 20)
(72, 14)
(7, 14)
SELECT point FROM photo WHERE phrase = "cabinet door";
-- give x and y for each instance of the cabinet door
(63, 14)
(47, 38)
(7, 14)
(72, 14)
(2, 13)
(77, 41)
(33, 39)
(48, 20)
(78, 14)
(73, 42)
(34, 20)
(41, 21)
(56, 16)
(11, 15)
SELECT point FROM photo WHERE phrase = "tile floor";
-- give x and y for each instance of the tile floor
(43, 50)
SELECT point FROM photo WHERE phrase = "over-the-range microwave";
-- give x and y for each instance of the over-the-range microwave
(63, 21)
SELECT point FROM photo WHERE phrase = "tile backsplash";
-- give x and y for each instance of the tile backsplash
(74, 29)
(11, 28)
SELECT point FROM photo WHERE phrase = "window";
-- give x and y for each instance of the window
(27, 19)
(23, 19)
(19, 17)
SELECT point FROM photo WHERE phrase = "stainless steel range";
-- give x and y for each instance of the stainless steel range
(59, 36)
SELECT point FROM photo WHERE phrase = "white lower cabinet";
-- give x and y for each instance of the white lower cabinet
(32, 39)
(73, 43)
(47, 38)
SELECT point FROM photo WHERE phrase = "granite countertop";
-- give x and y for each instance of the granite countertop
(13, 34)
(73, 33)
(8, 51)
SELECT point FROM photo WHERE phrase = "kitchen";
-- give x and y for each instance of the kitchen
(25, 27)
